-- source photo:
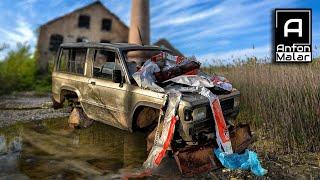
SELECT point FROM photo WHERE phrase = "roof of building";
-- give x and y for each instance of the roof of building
(165, 43)
(97, 2)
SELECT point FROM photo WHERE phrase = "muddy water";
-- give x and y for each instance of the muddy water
(49, 149)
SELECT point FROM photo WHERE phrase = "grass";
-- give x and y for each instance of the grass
(280, 101)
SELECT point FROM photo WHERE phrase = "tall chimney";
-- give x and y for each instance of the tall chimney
(139, 22)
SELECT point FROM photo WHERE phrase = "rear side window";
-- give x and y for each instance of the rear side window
(72, 60)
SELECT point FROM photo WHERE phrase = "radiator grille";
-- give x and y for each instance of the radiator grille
(227, 104)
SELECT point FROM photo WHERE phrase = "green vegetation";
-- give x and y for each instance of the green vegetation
(280, 101)
(18, 72)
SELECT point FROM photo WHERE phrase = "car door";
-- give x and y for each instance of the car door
(107, 100)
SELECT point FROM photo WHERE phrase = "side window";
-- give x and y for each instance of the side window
(104, 64)
(55, 41)
(84, 21)
(106, 24)
(72, 60)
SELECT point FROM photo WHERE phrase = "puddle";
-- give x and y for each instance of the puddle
(48, 149)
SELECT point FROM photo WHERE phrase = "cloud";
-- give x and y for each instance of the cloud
(201, 27)
(229, 56)
(22, 33)
(187, 19)
(27, 4)
(121, 9)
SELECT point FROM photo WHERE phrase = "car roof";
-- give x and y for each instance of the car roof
(121, 46)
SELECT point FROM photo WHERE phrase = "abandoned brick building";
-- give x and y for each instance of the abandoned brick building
(91, 23)
(94, 23)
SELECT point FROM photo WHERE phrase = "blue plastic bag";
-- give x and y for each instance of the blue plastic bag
(246, 161)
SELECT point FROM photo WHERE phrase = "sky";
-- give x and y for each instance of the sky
(208, 29)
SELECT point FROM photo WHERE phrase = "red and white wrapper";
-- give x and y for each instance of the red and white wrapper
(162, 141)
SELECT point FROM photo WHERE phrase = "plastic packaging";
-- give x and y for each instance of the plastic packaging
(247, 161)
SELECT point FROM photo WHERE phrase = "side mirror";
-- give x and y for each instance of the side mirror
(116, 76)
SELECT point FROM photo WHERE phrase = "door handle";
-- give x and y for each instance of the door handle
(93, 83)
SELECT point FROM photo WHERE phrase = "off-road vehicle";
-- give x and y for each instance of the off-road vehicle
(98, 78)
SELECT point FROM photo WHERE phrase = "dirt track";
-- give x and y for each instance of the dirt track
(25, 107)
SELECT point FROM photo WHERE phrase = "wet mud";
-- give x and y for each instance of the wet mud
(49, 149)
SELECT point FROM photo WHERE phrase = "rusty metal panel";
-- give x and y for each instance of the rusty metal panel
(241, 138)
(196, 160)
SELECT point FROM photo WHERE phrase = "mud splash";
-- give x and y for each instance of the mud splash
(49, 149)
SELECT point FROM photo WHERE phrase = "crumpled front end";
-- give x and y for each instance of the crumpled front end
(197, 124)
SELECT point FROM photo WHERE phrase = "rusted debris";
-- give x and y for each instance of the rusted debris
(74, 118)
(241, 138)
(197, 160)
(77, 118)
(189, 68)
(192, 161)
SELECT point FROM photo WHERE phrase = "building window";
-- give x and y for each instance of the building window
(84, 21)
(82, 39)
(106, 24)
(104, 41)
(55, 41)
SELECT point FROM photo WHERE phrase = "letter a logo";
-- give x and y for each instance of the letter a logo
(298, 30)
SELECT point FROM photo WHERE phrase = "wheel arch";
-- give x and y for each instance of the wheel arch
(67, 90)
(137, 109)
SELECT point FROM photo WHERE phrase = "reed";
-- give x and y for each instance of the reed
(280, 101)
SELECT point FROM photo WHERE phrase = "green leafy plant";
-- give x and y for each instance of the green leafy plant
(18, 72)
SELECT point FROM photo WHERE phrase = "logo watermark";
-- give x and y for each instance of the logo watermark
(293, 33)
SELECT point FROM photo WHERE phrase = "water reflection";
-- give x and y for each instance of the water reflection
(9, 154)
(48, 149)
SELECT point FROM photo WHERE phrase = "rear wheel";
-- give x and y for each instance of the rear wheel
(55, 104)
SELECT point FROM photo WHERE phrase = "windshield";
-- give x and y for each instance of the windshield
(136, 58)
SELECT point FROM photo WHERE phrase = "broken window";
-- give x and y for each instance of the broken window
(72, 60)
(84, 21)
(106, 24)
(55, 41)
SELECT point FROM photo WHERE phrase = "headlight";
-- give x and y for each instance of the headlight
(199, 113)
(236, 102)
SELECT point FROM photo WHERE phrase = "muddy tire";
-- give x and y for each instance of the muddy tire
(55, 104)
(146, 118)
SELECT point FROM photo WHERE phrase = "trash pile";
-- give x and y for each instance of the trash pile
(178, 75)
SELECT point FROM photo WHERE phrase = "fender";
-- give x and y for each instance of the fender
(70, 89)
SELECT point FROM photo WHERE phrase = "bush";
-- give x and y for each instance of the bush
(18, 72)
